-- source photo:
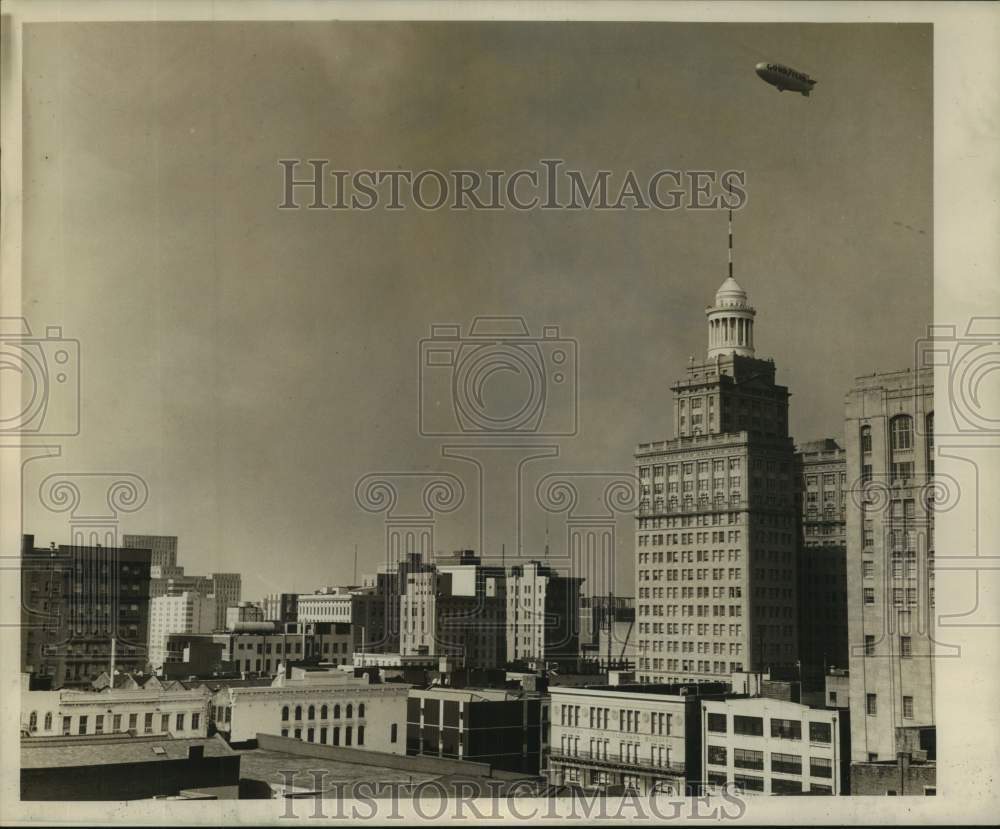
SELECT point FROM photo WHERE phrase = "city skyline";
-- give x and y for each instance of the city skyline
(253, 413)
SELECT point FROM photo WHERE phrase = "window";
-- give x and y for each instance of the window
(749, 783)
(744, 758)
(165, 723)
(310, 735)
(869, 644)
(901, 432)
(869, 593)
(298, 733)
(820, 732)
(133, 721)
(753, 726)
(48, 721)
(33, 721)
(147, 724)
(780, 786)
(717, 723)
(361, 710)
(820, 767)
(298, 712)
(336, 712)
(786, 763)
(336, 735)
(99, 724)
(195, 721)
(83, 725)
(284, 714)
(786, 729)
(180, 722)
(350, 710)
(820, 789)
(905, 647)
(312, 714)
(347, 735)
(717, 755)
(871, 705)
(866, 439)
(68, 725)
(868, 569)
(361, 735)
(393, 733)
(323, 712)
(908, 708)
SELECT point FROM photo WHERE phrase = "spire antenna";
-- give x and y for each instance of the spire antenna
(730, 243)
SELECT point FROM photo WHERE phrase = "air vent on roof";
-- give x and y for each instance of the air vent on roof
(159, 750)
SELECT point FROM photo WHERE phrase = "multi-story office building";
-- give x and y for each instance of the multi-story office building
(316, 706)
(81, 607)
(455, 608)
(821, 475)
(228, 590)
(281, 607)
(259, 648)
(771, 746)
(641, 738)
(186, 613)
(890, 552)
(162, 548)
(607, 631)
(717, 529)
(543, 614)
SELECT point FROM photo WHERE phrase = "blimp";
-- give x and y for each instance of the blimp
(784, 77)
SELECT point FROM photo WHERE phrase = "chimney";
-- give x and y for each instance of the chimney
(27, 544)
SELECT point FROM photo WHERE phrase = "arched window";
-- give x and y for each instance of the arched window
(323, 714)
(298, 712)
(361, 709)
(33, 721)
(866, 439)
(350, 710)
(48, 721)
(336, 712)
(284, 714)
(312, 713)
(901, 433)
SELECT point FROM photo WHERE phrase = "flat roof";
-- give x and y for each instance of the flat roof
(101, 750)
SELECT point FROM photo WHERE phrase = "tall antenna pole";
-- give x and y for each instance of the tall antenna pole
(730, 243)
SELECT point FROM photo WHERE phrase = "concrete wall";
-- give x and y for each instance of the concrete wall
(902, 779)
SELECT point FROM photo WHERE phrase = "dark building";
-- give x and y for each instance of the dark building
(506, 729)
(821, 472)
(913, 772)
(123, 767)
(81, 607)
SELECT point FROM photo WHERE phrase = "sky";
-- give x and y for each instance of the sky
(252, 365)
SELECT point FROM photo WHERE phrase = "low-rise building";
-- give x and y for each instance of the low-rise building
(331, 605)
(176, 712)
(243, 612)
(328, 707)
(637, 738)
(503, 728)
(770, 747)
(258, 648)
(913, 772)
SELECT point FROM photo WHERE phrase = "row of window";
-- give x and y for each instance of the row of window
(334, 733)
(116, 723)
(819, 732)
(744, 758)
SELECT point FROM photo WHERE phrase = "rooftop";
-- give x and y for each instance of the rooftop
(110, 749)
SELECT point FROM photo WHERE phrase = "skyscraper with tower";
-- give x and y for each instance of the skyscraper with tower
(716, 528)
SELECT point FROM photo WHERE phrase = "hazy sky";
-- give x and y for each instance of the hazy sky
(252, 365)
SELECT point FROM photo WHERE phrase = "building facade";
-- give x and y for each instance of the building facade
(259, 648)
(227, 588)
(770, 747)
(821, 475)
(717, 528)
(333, 606)
(324, 707)
(162, 548)
(637, 738)
(542, 614)
(186, 613)
(76, 601)
(176, 712)
(890, 551)
(243, 612)
(506, 729)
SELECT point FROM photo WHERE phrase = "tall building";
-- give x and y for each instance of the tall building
(281, 607)
(716, 538)
(543, 613)
(228, 590)
(821, 475)
(163, 548)
(186, 613)
(76, 602)
(889, 434)
(455, 608)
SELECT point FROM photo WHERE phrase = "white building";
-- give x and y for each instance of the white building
(243, 612)
(187, 613)
(317, 706)
(179, 713)
(771, 747)
(325, 607)
(542, 614)
(631, 737)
